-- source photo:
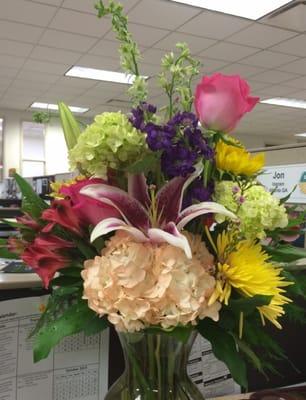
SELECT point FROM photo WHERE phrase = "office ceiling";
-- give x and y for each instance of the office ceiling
(41, 39)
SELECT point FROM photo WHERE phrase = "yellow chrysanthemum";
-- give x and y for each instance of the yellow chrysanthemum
(56, 186)
(246, 268)
(237, 160)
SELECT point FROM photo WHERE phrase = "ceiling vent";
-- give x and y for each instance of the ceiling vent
(291, 16)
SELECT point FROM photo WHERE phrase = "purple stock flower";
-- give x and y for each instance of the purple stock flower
(178, 160)
(137, 118)
(198, 142)
(197, 191)
(184, 118)
(159, 137)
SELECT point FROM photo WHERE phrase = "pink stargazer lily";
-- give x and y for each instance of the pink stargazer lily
(157, 219)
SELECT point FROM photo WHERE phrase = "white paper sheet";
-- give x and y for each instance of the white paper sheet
(211, 375)
(77, 369)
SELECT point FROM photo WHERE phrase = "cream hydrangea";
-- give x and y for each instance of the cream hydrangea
(143, 284)
(257, 210)
(110, 141)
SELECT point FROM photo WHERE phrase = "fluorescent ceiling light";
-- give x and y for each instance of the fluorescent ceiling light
(54, 107)
(300, 134)
(242, 8)
(282, 101)
(101, 75)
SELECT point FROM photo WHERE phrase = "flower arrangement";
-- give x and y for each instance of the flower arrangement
(165, 227)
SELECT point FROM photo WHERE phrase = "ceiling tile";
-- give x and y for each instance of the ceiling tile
(108, 48)
(214, 25)
(268, 59)
(27, 12)
(228, 51)
(22, 32)
(11, 61)
(15, 48)
(37, 76)
(295, 46)
(299, 83)
(210, 66)
(9, 72)
(298, 67)
(153, 56)
(92, 61)
(48, 67)
(68, 81)
(52, 2)
(262, 36)
(64, 40)
(301, 94)
(275, 91)
(81, 23)
(24, 85)
(162, 14)
(143, 35)
(244, 70)
(195, 43)
(88, 6)
(51, 54)
(273, 76)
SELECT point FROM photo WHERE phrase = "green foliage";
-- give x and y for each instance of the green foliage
(285, 253)
(295, 313)
(181, 333)
(41, 117)
(176, 78)
(225, 349)
(248, 305)
(69, 124)
(32, 204)
(129, 51)
(148, 163)
(74, 319)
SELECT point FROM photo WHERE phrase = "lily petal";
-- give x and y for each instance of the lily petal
(114, 224)
(170, 196)
(171, 236)
(132, 210)
(196, 210)
(138, 188)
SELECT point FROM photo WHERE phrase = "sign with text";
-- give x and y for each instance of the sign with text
(281, 180)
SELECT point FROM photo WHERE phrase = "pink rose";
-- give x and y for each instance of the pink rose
(222, 100)
(89, 211)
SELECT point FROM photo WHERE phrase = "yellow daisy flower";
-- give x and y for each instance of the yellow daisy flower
(246, 268)
(237, 160)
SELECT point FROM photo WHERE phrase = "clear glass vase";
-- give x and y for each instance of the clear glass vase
(155, 369)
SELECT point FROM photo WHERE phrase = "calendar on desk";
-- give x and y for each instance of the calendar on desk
(77, 369)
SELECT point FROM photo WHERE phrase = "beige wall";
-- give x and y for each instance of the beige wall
(291, 154)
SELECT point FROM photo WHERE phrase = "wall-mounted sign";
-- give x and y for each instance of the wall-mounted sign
(281, 180)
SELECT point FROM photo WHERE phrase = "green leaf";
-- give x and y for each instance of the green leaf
(69, 124)
(32, 204)
(96, 325)
(72, 321)
(67, 281)
(246, 349)
(5, 253)
(286, 198)
(224, 348)
(285, 253)
(248, 305)
(145, 165)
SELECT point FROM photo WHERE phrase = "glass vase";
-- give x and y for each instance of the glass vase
(155, 368)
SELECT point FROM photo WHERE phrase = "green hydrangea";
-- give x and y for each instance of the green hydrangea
(257, 210)
(110, 141)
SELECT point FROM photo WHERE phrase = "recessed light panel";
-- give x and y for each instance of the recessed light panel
(282, 101)
(101, 75)
(242, 8)
(300, 134)
(54, 107)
